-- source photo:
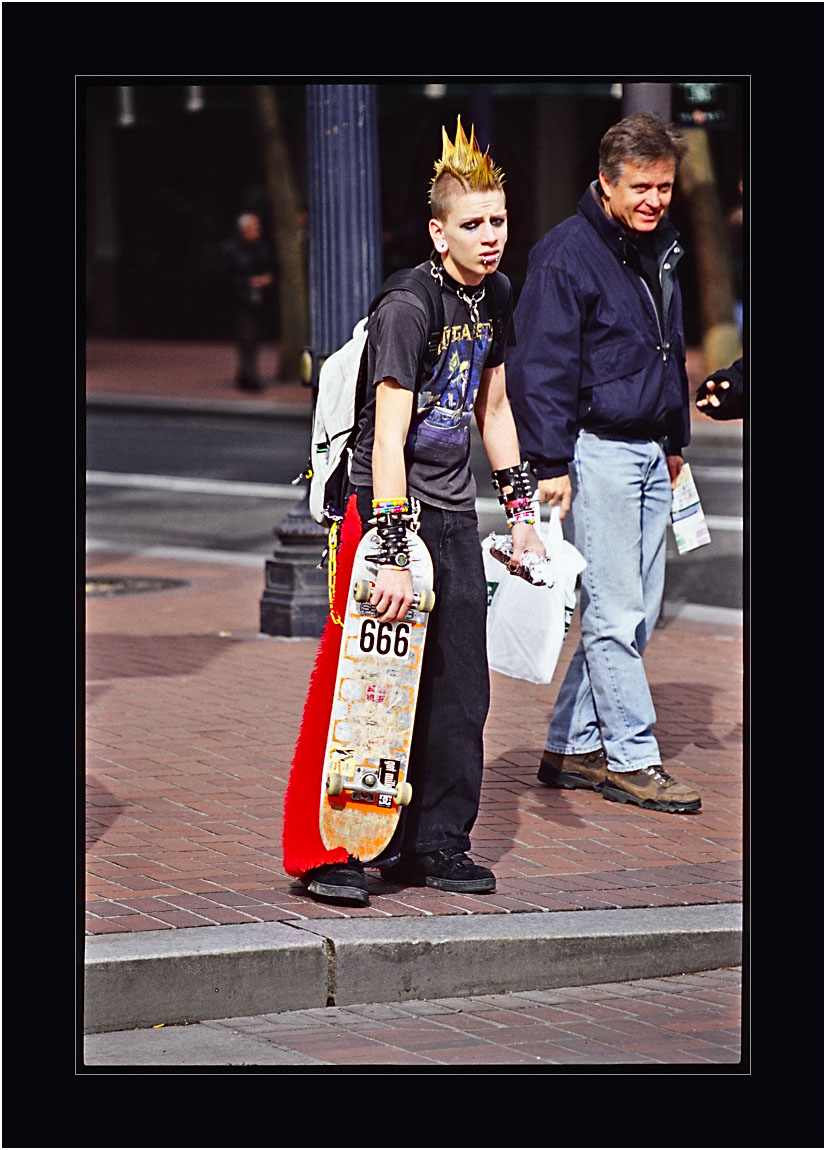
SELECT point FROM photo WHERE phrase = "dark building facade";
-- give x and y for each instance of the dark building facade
(167, 166)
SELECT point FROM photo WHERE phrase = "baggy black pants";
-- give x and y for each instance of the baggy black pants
(445, 768)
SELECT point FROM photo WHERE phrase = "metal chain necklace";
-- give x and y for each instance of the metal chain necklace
(471, 301)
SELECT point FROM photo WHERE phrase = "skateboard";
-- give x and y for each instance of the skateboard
(364, 784)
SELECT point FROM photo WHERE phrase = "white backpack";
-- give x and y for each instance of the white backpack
(334, 420)
(342, 388)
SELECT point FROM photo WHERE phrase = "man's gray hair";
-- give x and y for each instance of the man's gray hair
(639, 139)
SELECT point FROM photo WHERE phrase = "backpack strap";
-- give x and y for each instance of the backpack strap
(425, 288)
(497, 295)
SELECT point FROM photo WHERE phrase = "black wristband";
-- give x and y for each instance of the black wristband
(517, 479)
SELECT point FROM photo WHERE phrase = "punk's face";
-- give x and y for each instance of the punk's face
(475, 231)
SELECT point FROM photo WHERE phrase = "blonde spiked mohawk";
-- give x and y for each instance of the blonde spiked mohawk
(462, 167)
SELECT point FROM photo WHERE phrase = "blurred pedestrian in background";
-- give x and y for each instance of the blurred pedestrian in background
(248, 270)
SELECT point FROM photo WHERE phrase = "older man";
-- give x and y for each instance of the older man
(600, 395)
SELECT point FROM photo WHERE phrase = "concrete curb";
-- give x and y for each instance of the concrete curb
(198, 974)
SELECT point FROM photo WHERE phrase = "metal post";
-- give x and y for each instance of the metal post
(653, 98)
(345, 269)
(345, 210)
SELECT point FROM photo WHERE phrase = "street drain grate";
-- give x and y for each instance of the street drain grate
(100, 585)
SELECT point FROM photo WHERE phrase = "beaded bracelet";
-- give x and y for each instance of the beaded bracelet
(391, 507)
(523, 515)
(519, 510)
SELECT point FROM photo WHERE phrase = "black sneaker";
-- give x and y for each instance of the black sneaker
(338, 882)
(448, 869)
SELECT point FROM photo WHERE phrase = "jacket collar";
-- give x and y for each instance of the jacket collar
(590, 206)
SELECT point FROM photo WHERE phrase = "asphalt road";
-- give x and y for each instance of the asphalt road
(222, 483)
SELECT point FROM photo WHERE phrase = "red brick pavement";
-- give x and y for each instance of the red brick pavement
(686, 1019)
(191, 721)
(184, 370)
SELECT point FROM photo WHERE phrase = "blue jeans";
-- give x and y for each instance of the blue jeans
(447, 750)
(619, 514)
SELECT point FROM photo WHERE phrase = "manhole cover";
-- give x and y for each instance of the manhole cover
(97, 585)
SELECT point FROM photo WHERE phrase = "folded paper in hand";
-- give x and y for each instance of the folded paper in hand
(687, 519)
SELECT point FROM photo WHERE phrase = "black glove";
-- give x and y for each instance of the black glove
(730, 405)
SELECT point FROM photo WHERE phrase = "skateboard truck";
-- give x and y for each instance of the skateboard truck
(366, 780)
(363, 590)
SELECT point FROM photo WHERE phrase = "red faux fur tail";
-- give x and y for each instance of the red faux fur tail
(301, 840)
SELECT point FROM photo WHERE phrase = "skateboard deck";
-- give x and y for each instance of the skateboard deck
(364, 783)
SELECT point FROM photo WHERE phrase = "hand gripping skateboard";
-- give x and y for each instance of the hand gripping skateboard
(364, 784)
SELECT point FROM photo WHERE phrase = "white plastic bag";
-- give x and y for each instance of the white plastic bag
(527, 624)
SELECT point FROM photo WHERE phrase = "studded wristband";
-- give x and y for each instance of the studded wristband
(392, 539)
(517, 479)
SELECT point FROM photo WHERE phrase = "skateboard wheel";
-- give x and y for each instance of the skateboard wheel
(427, 600)
(404, 793)
(335, 783)
(362, 590)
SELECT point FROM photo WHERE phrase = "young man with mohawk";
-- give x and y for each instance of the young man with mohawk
(412, 457)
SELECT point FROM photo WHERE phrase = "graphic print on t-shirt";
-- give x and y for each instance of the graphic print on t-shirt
(444, 408)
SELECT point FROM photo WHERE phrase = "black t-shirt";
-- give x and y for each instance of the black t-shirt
(437, 449)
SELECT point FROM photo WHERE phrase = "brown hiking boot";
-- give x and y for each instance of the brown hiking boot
(651, 787)
(573, 771)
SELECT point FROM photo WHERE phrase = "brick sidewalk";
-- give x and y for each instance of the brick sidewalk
(191, 722)
(186, 370)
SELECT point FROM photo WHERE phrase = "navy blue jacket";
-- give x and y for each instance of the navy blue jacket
(591, 350)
